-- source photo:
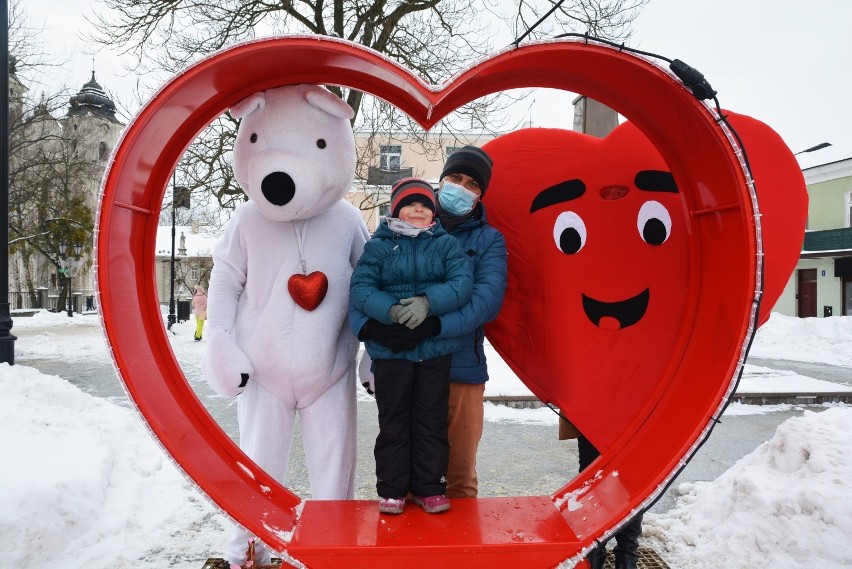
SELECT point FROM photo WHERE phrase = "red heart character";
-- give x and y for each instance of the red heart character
(598, 235)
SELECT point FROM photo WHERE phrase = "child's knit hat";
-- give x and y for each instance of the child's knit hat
(409, 190)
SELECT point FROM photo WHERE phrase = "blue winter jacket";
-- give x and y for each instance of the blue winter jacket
(395, 266)
(485, 249)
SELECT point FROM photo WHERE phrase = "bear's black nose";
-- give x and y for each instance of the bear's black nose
(278, 188)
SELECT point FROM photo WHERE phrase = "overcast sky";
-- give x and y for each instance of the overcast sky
(784, 62)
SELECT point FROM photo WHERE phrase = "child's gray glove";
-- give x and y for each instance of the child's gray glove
(414, 311)
(394, 311)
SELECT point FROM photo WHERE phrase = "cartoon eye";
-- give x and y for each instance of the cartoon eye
(321, 143)
(569, 232)
(253, 137)
(654, 223)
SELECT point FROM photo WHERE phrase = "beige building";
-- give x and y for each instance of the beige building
(384, 158)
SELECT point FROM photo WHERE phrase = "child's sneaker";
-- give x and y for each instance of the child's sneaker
(432, 504)
(391, 505)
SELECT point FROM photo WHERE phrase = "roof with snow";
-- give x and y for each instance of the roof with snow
(92, 100)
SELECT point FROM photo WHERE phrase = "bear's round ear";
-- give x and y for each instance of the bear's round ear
(248, 105)
(327, 101)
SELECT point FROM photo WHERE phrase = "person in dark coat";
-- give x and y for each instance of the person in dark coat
(626, 550)
(411, 271)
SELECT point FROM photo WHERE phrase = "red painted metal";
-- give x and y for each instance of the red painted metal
(496, 532)
(723, 242)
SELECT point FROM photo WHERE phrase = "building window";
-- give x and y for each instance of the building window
(194, 273)
(384, 209)
(390, 157)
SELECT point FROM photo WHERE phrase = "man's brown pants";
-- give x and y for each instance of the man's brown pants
(465, 430)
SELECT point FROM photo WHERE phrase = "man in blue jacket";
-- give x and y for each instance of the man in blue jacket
(463, 183)
(464, 180)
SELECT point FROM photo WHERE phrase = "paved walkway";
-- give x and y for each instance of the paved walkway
(515, 458)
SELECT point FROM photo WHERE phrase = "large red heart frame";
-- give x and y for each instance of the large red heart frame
(722, 301)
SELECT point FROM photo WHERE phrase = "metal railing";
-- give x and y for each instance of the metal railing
(44, 299)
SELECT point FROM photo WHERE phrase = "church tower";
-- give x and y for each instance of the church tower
(94, 129)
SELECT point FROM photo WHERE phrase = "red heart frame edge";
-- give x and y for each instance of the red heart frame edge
(723, 240)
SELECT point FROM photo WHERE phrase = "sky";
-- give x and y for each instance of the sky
(125, 506)
(782, 62)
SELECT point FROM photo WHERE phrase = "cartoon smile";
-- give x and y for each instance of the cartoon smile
(616, 315)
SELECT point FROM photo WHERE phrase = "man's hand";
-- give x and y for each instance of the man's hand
(396, 337)
(430, 328)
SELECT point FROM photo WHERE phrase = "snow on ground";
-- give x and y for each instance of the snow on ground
(75, 491)
(818, 340)
(786, 505)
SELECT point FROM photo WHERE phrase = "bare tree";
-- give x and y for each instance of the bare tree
(434, 38)
(607, 19)
(47, 201)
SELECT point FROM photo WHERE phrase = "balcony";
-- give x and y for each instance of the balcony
(381, 177)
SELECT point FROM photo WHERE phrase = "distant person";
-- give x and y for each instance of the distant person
(90, 303)
(199, 306)
(411, 272)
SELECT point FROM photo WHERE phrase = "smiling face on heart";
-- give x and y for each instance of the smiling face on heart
(596, 231)
(598, 238)
(616, 297)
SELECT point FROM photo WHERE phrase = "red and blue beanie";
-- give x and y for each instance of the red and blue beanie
(409, 190)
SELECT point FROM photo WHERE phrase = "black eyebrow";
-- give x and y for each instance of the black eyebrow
(558, 193)
(655, 181)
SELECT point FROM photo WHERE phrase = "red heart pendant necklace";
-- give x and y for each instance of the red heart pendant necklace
(308, 290)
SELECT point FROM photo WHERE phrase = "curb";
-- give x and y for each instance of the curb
(531, 402)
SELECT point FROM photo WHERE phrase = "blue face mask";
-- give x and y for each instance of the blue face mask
(456, 199)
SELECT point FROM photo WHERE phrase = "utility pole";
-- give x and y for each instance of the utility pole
(180, 198)
(7, 340)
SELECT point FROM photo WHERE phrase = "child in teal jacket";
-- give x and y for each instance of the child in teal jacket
(411, 272)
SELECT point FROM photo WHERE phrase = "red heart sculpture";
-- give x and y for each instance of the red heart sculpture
(598, 240)
(308, 290)
(707, 345)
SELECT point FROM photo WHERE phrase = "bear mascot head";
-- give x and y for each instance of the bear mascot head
(294, 154)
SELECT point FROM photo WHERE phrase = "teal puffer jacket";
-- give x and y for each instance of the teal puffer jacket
(396, 266)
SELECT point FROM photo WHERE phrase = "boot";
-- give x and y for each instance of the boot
(627, 544)
(597, 557)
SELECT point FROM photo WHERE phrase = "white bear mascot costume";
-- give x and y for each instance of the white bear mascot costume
(279, 290)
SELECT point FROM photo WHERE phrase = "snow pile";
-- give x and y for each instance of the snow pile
(819, 340)
(84, 484)
(786, 505)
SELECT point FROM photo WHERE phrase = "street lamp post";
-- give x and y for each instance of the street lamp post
(66, 270)
(7, 340)
(180, 198)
